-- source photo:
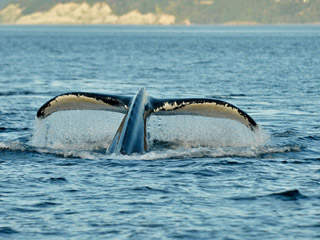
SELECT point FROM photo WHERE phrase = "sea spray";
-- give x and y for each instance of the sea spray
(76, 130)
(94, 130)
(196, 131)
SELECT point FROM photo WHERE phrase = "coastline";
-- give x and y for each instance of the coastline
(172, 25)
(101, 14)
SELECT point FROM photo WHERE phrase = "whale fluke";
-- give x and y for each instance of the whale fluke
(206, 107)
(85, 101)
(131, 134)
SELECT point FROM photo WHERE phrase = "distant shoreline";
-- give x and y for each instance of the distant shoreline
(202, 12)
(168, 26)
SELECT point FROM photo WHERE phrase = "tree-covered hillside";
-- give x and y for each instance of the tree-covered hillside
(201, 11)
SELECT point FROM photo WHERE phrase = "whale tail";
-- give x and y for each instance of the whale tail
(131, 134)
(206, 107)
(84, 101)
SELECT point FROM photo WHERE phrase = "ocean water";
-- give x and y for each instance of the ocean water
(201, 178)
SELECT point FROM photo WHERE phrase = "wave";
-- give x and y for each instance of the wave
(7, 231)
(13, 146)
(203, 152)
(178, 153)
(14, 93)
(287, 195)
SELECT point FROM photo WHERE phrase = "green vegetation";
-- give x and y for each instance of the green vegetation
(202, 11)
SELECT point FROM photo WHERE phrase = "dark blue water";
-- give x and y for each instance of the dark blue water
(213, 181)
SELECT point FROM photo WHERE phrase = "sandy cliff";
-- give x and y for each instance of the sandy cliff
(74, 13)
(10, 14)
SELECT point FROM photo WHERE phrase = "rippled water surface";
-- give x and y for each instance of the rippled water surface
(201, 178)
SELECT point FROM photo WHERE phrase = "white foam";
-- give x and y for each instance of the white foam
(204, 152)
(14, 146)
(179, 153)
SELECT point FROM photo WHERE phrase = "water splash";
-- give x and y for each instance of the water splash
(164, 153)
(197, 131)
(204, 152)
(87, 134)
(76, 130)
